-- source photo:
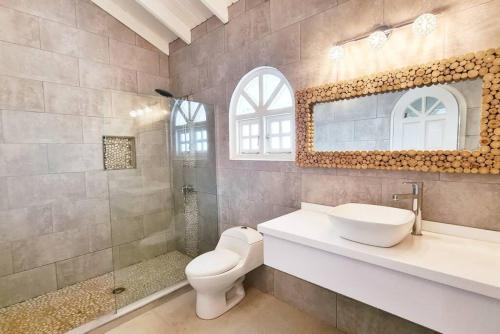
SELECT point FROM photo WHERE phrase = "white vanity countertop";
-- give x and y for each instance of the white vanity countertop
(472, 265)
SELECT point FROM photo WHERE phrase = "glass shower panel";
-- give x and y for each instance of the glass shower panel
(194, 177)
(164, 211)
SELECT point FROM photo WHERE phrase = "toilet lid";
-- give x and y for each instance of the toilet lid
(212, 263)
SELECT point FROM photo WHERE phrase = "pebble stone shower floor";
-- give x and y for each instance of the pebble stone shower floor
(67, 308)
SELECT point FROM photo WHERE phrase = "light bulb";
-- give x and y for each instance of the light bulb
(133, 113)
(377, 39)
(337, 52)
(425, 24)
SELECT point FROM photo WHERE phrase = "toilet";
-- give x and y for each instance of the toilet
(217, 276)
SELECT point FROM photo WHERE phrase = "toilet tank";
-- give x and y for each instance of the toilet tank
(244, 241)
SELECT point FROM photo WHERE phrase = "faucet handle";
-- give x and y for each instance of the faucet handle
(416, 186)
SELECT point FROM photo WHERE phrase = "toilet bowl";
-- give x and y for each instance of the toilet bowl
(217, 276)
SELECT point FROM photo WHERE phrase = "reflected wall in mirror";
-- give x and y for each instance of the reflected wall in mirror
(421, 118)
(438, 117)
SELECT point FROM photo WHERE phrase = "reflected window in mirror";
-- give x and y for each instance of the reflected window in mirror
(429, 118)
(261, 117)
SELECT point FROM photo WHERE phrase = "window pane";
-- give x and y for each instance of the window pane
(409, 113)
(430, 102)
(205, 146)
(198, 146)
(245, 144)
(183, 137)
(187, 136)
(252, 89)
(275, 128)
(275, 143)
(255, 129)
(193, 106)
(417, 104)
(285, 142)
(270, 82)
(204, 132)
(255, 143)
(244, 107)
(285, 126)
(201, 115)
(198, 135)
(183, 148)
(245, 130)
(179, 119)
(439, 110)
(283, 99)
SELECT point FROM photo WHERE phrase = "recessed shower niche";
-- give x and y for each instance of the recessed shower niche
(119, 152)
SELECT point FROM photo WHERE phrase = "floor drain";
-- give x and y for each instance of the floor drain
(117, 291)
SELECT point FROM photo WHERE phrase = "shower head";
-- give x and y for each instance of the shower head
(163, 92)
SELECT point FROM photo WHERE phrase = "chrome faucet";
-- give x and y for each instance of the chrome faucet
(416, 197)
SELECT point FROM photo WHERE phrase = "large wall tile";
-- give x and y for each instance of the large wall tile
(19, 28)
(83, 267)
(147, 83)
(62, 99)
(27, 284)
(21, 94)
(134, 57)
(119, 31)
(43, 189)
(75, 157)
(49, 248)
(57, 10)
(234, 183)
(253, 25)
(32, 127)
(4, 199)
(5, 259)
(164, 68)
(23, 159)
(69, 214)
(286, 12)
(275, 187)
(90, 17)
(96, 183)
(262, 278)
(96, 75)
(25, 223)
(312, 299)
(358, 318)
(100, 236)
(29, 63)
(208, 46)
(477, 205)
(74, 42)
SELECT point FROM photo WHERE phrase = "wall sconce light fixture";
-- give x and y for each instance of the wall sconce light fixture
(378, 38)
(425, 24)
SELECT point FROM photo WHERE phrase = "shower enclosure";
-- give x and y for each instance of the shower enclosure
(137, 225)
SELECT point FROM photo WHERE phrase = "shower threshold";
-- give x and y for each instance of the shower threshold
(68, 308)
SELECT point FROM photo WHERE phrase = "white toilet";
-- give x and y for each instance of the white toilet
(217, 276)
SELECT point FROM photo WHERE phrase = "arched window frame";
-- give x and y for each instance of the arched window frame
(262, 118)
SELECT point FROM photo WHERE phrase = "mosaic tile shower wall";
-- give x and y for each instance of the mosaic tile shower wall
(119, 152)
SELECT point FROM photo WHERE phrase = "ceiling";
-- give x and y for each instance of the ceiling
(162, 21)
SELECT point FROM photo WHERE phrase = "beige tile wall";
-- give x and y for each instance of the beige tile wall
(69, 74)
(295, 36)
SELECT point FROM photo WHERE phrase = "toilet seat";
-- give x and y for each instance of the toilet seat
(213, 263)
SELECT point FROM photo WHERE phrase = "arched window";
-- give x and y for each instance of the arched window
(190, 128)
(426, 119)
(261, 117)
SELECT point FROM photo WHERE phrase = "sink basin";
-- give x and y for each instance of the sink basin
(373, 225)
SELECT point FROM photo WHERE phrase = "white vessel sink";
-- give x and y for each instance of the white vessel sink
(373, 225)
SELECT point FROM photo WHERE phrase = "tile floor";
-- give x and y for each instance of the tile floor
(257, 313)
(67, 308)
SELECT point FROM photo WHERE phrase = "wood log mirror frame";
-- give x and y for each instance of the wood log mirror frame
(485, 160)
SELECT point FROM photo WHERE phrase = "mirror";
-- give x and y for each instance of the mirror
(438, 117)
